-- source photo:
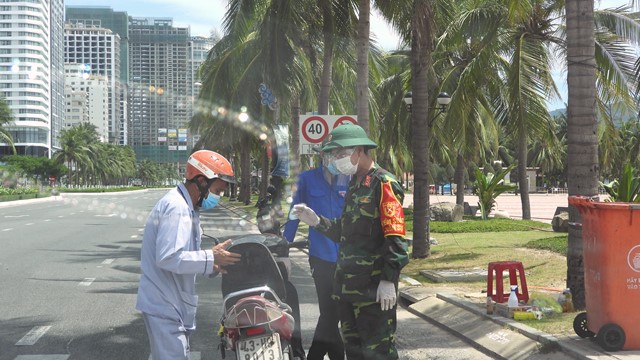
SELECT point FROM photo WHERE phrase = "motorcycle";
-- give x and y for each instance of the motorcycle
(260, 305)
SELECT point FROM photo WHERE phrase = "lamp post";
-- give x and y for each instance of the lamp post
(443, 100)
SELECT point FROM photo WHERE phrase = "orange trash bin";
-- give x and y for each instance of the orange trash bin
(611, 254)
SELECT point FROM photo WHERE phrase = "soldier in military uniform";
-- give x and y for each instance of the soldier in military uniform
(372, 246)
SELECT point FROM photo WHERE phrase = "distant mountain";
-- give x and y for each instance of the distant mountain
(558, 112)
(618, 115)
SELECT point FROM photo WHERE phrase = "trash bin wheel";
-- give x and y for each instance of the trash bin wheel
(611, 337)
(580, 326)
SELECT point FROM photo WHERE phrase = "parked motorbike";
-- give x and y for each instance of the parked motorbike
(260, 304)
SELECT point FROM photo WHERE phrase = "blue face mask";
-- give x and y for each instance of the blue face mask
(332, 169)
(211, 201)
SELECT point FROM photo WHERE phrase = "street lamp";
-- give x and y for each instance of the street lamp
(443, 100)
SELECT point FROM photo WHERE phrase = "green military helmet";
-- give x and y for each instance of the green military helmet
(348, 135)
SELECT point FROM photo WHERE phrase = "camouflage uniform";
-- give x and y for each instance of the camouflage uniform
(372, 248)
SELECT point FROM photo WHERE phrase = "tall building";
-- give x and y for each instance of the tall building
(118, 22)
(87, 99)
(31, 73)
(97, 49)
(161, 90)
(200, 47)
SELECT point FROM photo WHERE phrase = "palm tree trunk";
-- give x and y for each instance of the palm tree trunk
(295, 136)
(459, 179)
(522, 174)
(245, 170)
(421, 47)
(327, 61)
(362, 82)
(582, 138)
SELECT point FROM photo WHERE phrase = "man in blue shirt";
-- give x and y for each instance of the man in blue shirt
(324, 192)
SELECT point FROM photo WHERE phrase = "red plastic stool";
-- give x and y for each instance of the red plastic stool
(513, 267)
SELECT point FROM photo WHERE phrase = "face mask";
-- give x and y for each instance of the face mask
(210, 201)
(345, 167)
(331, 167)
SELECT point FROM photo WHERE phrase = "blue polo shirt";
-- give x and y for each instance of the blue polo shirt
(326, 200)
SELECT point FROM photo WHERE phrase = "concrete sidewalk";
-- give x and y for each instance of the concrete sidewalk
(495, 335)
(542, 206)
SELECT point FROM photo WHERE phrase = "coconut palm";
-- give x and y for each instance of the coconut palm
(6, 117)
(582, 130)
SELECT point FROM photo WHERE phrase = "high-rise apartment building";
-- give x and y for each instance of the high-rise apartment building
(97, 49)
(161, 89)
(87, 99)
(118, 22)
(31, 73)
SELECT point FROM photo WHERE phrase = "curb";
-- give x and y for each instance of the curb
(573, 348)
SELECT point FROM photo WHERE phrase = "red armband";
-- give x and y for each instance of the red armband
(391, 213)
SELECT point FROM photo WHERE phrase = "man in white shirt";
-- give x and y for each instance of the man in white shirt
(171, 256)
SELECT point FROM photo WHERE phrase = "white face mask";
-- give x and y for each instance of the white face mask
(345, 166)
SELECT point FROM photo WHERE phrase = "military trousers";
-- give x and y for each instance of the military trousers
(368, 332)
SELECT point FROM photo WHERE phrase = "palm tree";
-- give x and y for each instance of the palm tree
(362, 50)
(264, 42)
(582, 126)
(6, 117)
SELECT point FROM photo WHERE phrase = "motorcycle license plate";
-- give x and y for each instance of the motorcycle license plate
(260, 348)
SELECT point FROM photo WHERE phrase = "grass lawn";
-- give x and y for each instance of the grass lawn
(473, 243)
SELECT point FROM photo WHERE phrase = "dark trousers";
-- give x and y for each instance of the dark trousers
(296, 339)
(369, 333)
(326, 338)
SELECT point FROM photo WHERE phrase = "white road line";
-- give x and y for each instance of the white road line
(7, 229)
(15, 216)
(108, 261)
(33, 335)
(134, 236)
(193, 355)
(86, 281)
(28, 224)
(46, 220)
(42, 357)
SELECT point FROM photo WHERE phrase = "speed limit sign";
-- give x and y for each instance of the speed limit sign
(314, 128)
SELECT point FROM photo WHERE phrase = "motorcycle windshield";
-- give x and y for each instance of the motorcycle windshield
(257, 267)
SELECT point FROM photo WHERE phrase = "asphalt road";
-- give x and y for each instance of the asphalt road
(69, 271)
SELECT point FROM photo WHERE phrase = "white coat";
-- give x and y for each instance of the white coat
(170, 259)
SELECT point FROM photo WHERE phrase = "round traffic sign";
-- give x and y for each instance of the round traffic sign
(314, 129)
(343, 120)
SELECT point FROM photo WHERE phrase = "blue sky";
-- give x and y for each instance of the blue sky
(204, 15)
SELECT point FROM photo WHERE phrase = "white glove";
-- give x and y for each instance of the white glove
(305, 214)
(386, 295)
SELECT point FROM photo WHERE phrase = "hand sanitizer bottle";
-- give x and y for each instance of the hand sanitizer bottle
(513, 297)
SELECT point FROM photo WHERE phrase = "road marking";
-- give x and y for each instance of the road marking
(42, 357)
(33, 335)
(107, 261)
(134, 236)
(110, 215)
(28, 224)
(7, 229)
(46, 220)
(193, 355)
(15, 216)
(86, 281)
